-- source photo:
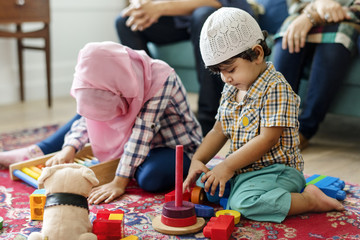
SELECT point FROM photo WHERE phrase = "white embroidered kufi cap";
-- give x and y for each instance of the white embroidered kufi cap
(227, 32)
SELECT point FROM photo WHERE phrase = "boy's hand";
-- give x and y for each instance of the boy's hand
(219, 175)
(196, 168)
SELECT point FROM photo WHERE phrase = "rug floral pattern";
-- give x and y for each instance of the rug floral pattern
(141, 207)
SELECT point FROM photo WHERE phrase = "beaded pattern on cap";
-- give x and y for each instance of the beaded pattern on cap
(226, 33)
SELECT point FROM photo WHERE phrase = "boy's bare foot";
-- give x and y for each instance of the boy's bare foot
(321, 202)
(17, 155)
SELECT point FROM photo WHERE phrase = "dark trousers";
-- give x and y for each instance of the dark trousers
(329, 65)
(165, 32)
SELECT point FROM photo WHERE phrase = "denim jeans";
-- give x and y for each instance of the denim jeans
(54, 142)
(329, 65)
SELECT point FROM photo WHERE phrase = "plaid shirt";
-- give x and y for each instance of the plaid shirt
(269, 102)
(166, 120)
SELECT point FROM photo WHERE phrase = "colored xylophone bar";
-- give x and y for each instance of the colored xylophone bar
(104, 171)
(30, 174)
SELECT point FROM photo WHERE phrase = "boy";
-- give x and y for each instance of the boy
(258, 112)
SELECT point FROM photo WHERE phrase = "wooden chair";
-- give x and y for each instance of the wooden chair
(23, 11)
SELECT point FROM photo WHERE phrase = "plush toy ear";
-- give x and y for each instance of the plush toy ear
(46, 173)
(89, 175)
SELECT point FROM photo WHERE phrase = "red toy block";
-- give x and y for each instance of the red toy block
(171, 196)
(109, 225)
(219, 228)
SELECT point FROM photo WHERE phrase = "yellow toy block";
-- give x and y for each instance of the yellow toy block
(116, 216)
(37, 203)
(131, 237)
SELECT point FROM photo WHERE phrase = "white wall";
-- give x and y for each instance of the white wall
(73, 24)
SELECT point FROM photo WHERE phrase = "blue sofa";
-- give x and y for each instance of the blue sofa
(181, 57)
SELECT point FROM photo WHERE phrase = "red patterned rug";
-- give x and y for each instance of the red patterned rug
(140, 207)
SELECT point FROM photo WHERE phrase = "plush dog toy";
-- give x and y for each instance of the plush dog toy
(66, 213)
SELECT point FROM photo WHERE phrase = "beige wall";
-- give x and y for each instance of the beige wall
(73, 24)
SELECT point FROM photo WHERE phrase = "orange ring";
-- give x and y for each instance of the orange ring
(197, 195)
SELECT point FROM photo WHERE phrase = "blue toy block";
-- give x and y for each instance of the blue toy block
(331, 186)
(204, 211)
(215, 198)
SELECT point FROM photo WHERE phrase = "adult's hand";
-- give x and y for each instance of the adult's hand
(295, 36)
(142, 14)
(330, 10)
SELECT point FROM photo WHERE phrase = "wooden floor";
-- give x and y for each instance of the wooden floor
(335, 151)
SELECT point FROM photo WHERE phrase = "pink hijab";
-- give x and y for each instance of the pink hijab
(111, 84)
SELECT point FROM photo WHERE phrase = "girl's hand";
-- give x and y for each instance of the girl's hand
(66, 155)
(218, 176)
(195, 170)
(331, 11)
(295, 36)
(108, 192)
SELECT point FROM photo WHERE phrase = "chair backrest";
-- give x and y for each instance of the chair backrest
(19, 11)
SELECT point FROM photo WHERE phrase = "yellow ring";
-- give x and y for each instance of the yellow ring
(234, 213)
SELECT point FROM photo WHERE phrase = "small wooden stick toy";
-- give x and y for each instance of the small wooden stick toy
(178, 217)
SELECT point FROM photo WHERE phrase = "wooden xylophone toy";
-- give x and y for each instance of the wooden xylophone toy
(29, 171)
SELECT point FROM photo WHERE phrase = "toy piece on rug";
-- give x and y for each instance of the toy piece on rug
(37, 204)
(1, 222)
(171, 196)
(219, 228)
(234, 213)
(178, 217)
(66, 212)
(331, 186)
(204, 211)
(131, 237)
(109, 225)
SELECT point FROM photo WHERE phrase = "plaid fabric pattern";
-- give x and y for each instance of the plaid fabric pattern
(270, 102)
(345, 33)
(166, 120)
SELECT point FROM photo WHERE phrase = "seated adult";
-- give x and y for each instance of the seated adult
(322, 33)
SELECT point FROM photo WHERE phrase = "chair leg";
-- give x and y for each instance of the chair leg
(20, 63)
(48, 66)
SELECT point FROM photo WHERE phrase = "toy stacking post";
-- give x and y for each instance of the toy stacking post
(178, 217)
(179, 176)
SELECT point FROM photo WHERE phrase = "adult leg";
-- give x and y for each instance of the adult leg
(157, 172)
(210, 84)
(330, 65)
(289, 64)
(162, 32)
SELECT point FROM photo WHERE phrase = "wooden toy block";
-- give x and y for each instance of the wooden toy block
(37, 203)
(331, 186)
(171, 196)
(131, 237)
(235, 214)
(109, 225)
(204, 211)
(104, 171)
(219, 228)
